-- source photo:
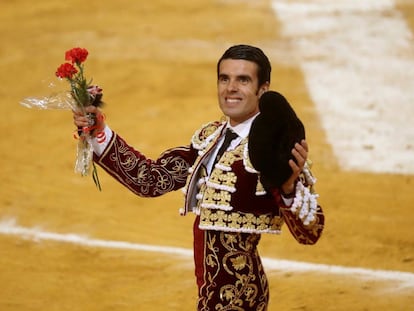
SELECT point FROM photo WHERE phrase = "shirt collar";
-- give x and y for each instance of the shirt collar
(243, 129)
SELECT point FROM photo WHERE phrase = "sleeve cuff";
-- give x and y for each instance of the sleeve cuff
(287, 201)
(100, 143)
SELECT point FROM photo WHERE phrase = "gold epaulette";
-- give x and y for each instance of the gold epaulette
(206, 134)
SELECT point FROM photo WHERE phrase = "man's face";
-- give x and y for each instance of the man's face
(238, 89)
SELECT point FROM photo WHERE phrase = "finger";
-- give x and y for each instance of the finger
(91, 109)
(80, 120)
(299, 156)
(77, 113)
(301, 149)
(296, 169)
(305, 145)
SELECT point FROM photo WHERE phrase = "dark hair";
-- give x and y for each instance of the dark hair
(250, 53)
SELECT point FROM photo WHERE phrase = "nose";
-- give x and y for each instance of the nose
(232, 86)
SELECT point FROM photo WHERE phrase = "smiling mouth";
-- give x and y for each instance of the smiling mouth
(233, 100)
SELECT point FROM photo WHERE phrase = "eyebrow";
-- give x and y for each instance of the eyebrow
(244, 77)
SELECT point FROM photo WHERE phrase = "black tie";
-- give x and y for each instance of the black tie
(230, 135)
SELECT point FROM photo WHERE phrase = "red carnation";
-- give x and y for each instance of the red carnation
(76, 55)
(66, 70)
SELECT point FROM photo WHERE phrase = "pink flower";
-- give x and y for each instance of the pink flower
(95, 93)
(94, 90)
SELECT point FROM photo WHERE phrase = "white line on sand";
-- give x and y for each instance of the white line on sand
(358, 64)
(9, 227)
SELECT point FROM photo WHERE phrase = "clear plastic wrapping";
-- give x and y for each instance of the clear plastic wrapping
(80, 95)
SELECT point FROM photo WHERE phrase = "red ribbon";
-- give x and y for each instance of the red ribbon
(100, 135)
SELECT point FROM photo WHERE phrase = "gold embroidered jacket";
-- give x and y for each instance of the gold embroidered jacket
(230, 198)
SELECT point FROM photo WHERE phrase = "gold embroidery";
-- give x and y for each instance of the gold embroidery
(230, 157)
(141, 175)
(206, 135)
(216, 199)
(242, 285)
(239, 262)
(217, 194)
(235, 220)
(246, 222)
(210, 129)
(249, 221)
(223, 178)
(260, 190)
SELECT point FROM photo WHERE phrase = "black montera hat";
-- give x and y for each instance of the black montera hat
(272, 136)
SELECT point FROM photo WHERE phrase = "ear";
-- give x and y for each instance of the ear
(263, 88)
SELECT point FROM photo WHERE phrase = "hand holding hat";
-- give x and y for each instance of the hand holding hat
(272, 136)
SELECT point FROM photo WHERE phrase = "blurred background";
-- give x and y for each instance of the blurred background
(156, 61)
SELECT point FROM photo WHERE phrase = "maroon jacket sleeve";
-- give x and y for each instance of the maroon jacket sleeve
(303, 233)
(146, 177)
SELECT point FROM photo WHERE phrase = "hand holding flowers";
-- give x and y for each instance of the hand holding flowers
(84, 121)
(85, 94)
(83, 98)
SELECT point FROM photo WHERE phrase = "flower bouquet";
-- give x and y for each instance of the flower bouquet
(82, 94)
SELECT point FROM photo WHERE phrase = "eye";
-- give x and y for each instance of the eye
(223, 79)
(244, 79)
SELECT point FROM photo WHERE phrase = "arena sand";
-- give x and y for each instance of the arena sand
(156, 62)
